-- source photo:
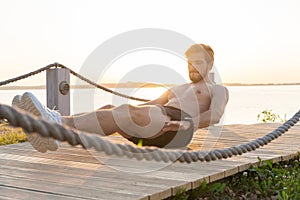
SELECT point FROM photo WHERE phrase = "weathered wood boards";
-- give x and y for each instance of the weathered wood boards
(75, 173)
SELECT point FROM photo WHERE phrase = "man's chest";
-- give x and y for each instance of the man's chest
(199, 92)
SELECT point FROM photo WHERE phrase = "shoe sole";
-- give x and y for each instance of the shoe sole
(16, 101)
(32, 105)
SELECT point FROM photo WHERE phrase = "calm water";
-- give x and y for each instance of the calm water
(245, 102)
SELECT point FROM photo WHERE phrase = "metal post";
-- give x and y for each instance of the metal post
(212, 77)
(58, 90)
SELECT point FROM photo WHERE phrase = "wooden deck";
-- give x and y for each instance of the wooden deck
(75, 173)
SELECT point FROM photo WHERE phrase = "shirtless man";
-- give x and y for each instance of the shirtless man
(168, 121)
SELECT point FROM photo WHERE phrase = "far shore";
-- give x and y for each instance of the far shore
(136, 85)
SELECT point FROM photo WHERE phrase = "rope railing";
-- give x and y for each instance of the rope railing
(75, 137)
(57, 65)
(26, 75)
(102, 87)
(86, 140)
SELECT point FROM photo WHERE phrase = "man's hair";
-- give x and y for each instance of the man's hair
(206, 49)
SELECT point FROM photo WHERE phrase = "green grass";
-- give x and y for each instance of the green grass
(10, 135)
(270, 181)
(267, 116)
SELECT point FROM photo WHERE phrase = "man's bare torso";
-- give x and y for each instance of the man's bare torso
(192, 98)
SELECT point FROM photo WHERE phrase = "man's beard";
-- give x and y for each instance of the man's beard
(195, 77)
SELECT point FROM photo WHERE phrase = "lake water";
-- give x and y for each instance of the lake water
(245, 102)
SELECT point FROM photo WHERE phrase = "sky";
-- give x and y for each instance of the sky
(255, 41)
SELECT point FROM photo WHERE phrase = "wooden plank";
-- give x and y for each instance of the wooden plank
(73, 169)
(58, 155)
(13, 193)
(65, 190)
(120, 180)
(103, 172)
(86, 182)
(117, 180)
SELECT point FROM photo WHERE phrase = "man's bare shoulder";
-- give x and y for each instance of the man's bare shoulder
(220, 89)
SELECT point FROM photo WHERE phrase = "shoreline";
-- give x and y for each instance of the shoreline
(138, 85)
(261, 84)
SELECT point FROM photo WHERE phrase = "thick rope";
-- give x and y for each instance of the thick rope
(27, 75)
(58, 132)
(101, 87)
(57, 65)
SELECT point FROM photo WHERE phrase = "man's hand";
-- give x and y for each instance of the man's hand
(176, 126)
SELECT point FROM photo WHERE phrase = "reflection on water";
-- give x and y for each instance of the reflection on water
(245, 102)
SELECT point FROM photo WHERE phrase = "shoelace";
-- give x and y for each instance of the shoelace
(52, 115)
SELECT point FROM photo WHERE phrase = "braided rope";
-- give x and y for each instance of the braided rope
(57, 65)
(57, 131)
(27, 75)
(101, 87)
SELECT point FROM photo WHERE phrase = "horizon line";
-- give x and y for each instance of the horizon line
(144, 84)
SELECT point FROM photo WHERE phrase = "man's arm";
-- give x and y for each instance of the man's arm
(218, 103)
(162, 100)
(212, 116)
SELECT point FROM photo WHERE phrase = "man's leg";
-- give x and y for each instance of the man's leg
(32, 105)
(101, 108)
(99, 121)
(128, 120)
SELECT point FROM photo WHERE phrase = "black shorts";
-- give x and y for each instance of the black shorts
(170, 139)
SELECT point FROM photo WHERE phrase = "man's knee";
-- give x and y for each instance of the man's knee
(125, 108)
(109, 106)
(136, 114)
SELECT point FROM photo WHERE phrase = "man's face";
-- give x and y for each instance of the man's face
(198, 67)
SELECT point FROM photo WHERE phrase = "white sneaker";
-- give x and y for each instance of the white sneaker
(16, 101)
(31, 104)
